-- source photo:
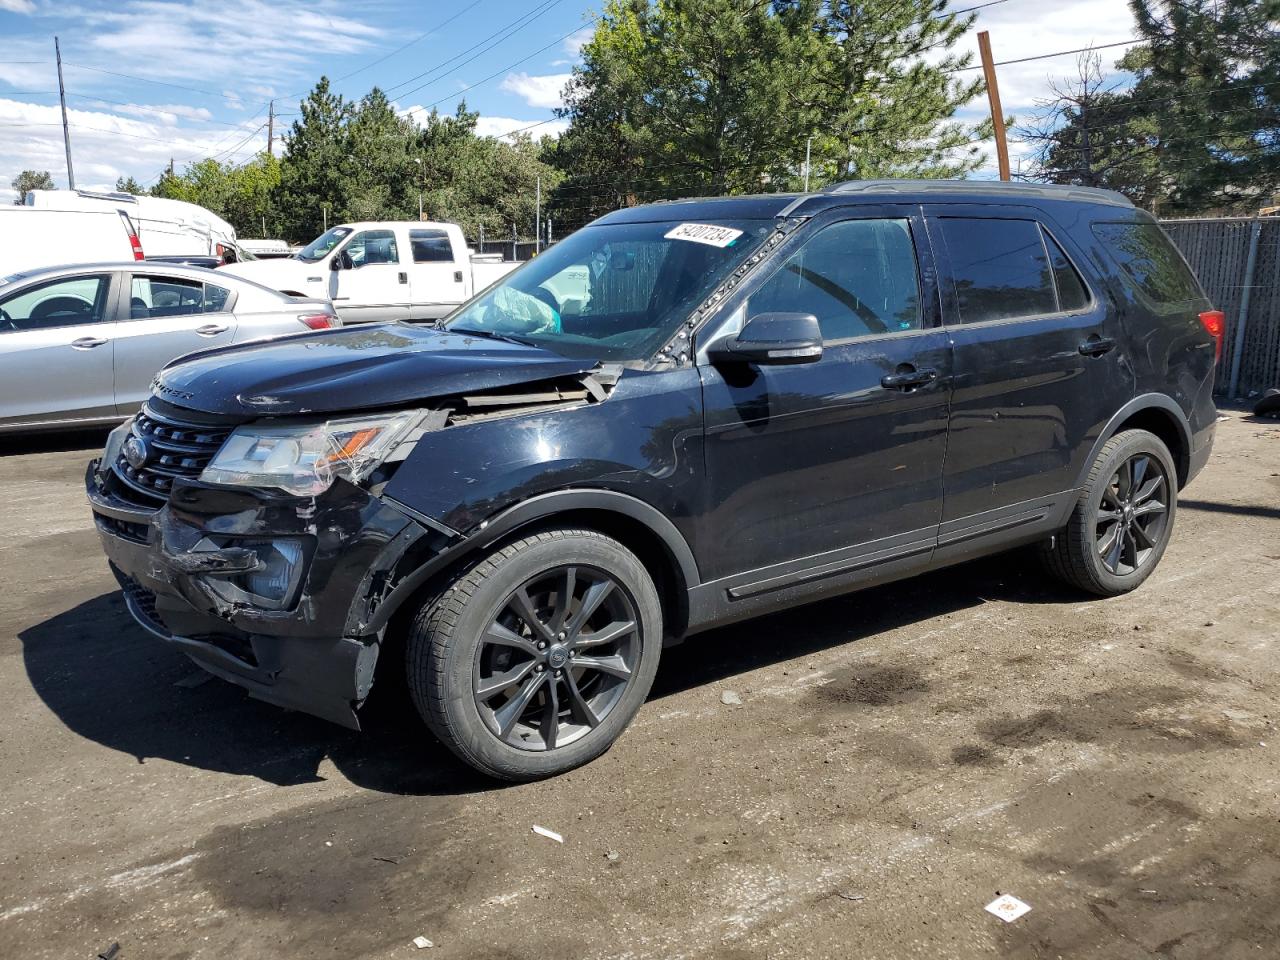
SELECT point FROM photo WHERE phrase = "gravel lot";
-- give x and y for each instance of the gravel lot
(898, 758)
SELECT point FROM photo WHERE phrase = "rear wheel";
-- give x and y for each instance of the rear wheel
(1121, 524)
(534, 660)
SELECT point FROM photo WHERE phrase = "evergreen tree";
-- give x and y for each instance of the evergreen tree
(676, 97)
(314, 165)
(31, 180)
(879, 108)
(129, 185)
(1199, 130)
(1209, 71)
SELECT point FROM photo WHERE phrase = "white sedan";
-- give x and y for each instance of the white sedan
(79, 345)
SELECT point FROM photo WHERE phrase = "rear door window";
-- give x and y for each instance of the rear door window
(59, 303)
(165, 297)
(1150, 259)
(430, 246)
(1073, 296)
(1000, 269)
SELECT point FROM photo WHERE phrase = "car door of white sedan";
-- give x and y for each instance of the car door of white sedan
(166, 317)
(56, 349)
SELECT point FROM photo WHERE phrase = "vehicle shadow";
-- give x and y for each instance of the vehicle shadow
(53, 442)
(112, 683)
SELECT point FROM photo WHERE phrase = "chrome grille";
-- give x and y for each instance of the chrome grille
(176, 447)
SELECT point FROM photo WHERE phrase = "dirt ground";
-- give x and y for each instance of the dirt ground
(899, 757)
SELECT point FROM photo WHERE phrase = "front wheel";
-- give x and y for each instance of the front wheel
(1122, 522)
(535, 659)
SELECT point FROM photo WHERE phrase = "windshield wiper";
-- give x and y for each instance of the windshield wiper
(491, 335)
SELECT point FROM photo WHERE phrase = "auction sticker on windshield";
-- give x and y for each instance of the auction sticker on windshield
(707, 233)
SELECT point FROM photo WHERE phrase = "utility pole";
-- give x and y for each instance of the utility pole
(537, 218)
(808, 144)
(66, 131)
(993, 96)
(271, 129)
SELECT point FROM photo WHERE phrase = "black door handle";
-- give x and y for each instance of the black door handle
(1096, 346)
(404, 277)
(908, 378)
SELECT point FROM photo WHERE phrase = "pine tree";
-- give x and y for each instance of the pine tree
(1209, 71)
(31, 180)
(676, 97)
(313, 167)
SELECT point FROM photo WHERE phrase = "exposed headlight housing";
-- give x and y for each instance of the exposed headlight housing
(305, 459)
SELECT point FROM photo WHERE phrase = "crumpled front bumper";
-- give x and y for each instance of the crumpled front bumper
(314, 649)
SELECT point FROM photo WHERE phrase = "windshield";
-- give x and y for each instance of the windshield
(613, 292)
(320, 247)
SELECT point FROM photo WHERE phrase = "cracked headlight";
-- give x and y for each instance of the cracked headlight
(305, 459)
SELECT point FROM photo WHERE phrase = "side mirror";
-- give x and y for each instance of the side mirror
(341, 261)
(774, 338)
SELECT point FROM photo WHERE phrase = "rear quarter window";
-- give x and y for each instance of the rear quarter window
(1150, 260)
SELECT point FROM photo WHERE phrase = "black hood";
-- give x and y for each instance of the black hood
(353, 368)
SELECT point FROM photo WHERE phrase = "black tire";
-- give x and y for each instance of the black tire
(473, 636)
(1084, 553)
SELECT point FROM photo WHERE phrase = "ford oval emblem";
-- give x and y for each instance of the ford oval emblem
(136, 452)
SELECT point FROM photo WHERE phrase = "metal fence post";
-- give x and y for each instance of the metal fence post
(1242, 319)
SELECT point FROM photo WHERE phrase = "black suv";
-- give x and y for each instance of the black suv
(683, 415)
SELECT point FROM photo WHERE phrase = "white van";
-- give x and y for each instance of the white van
(32, 239)
(385, 270)
(166, 227)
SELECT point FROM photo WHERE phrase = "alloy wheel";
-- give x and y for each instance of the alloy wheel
(1133, 516)
(557, 658)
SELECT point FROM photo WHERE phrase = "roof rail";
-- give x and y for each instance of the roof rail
(990, 188)
(115, 195)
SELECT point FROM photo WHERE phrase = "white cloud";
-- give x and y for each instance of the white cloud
(268, 42)
(574, 43)
(501, 126)
(105, 145)
(169, 113)
(18, 6)
(1022, 30)
(546, 90)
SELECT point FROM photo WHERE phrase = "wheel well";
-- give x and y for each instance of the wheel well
(1161, 423)
(651, 550)
(648, 546)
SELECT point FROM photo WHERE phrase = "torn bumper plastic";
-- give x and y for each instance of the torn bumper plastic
(274, 593)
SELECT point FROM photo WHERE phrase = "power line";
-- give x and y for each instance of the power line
(502, 34)
(162, 83)
(498, 73)
(418, 39)
(1046, 56)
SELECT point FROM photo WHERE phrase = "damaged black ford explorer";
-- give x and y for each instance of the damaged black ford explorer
(681, 416)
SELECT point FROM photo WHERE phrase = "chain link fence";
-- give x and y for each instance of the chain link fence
(1238, 263)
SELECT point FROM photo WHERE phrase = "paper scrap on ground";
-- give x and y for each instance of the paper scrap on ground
(421, 943)
(708, 233)
(1007, 908)
(544, 832)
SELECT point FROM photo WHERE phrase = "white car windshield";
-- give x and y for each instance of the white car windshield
(321, 246)
(613, 291)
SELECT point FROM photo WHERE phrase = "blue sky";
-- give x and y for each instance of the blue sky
(199, 75)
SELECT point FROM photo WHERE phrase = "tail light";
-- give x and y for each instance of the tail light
(316, 321)
(130, 229)
(1215, 323)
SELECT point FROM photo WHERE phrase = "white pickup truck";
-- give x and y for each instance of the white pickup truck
(388, 270)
